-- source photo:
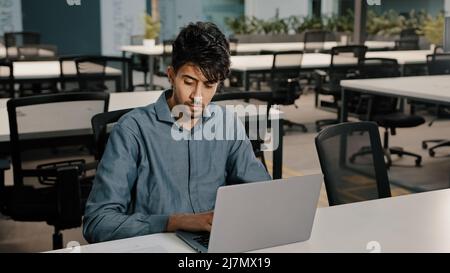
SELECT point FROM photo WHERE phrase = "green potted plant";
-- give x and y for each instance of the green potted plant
(433, 29)
(152, 28)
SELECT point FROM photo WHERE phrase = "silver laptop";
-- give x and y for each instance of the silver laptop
(260, 215)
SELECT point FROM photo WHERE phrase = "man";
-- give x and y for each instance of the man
(151, 181)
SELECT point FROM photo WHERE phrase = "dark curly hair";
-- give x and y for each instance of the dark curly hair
(204, 45)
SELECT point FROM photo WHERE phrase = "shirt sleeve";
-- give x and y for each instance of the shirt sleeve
(107, 214)
(242, 164)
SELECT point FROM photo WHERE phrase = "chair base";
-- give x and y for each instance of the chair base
(439, 143)
(400, 152)
(388, 155)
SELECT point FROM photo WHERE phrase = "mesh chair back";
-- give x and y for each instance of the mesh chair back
(378, 105)
(409, 40)
(101, 126)
(41, 123)
(284, 77)
(438, 64)
(314, 40)
(351, 159)
(27, 41)
(233, 42)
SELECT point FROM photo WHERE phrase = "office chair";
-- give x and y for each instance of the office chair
(285, 82)
(139, 62)
(409, 40)
(349, 179)
(50, 186)
(438, 64)
(100, 123)
(233, 42)
(27, 41)
(6, 80)
(345, 64)
(383, 110)
(91, 72)
(314, 40)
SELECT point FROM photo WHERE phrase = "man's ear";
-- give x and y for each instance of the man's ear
(171, 74)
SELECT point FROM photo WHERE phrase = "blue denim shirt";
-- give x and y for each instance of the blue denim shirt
(146, 174)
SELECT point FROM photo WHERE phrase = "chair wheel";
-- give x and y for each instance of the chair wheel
(432, 153)
(418, 161)
(424, 145)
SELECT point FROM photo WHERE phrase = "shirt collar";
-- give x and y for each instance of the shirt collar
(163, 111)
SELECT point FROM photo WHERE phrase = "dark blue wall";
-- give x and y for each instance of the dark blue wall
(74, 29)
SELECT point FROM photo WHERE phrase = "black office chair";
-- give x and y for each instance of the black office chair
(49, 185)
(233, 42)
(28, 41)
(383, 110)
(409, 40)
(345, 64)
(139, 62)
(314, 40)
(438, 64)
(92, 76)
(285, 82)
(101, 126)
(349, 179)
(6, 79)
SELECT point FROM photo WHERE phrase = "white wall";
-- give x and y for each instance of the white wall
(119, 20)
(10, 16)
(265, 9)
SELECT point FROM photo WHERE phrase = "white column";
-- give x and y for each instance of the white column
(10, 16)
(447, 26)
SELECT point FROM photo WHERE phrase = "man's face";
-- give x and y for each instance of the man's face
(191, 88)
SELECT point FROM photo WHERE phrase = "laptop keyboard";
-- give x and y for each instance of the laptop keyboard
(203, 239)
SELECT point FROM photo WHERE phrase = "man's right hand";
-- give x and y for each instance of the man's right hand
(190, 222)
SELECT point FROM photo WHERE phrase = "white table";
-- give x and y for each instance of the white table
(243, 48)
(249, 64)
(32, 70)
(413, 223)
(79, 125)
(434, 89)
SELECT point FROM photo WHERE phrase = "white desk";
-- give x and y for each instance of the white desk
(248, 64)
(31, 70)
(412, 223)
(252, 48)
(434, 89)
(244, 48)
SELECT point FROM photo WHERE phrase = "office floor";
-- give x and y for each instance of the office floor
(300, 158)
